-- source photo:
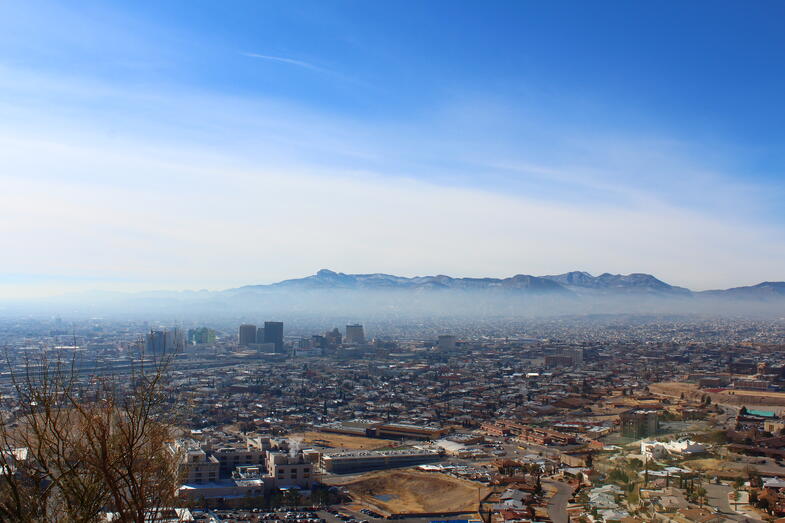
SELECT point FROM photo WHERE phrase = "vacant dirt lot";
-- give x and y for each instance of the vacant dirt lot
(674, 389)
(709, 465)
(765, 400)
(413, 491)
(342, 441)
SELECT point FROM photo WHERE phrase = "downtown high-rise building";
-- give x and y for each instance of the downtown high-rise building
(165, 342)
(174, 341)
(273, 333)
(247, 334)
(333, 338)
(155, 343)
(202, 335)
(355, 335)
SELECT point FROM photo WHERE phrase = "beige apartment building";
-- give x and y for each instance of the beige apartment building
(289, 471)
(195, 465)
(252, 452)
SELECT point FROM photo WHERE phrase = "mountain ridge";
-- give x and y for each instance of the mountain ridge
(327, 279)
(573, 284)
(570, 283)
(333, 294)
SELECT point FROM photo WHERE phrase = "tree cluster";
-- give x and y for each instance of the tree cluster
(75, 448)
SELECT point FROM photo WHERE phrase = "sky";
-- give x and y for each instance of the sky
(197, 144)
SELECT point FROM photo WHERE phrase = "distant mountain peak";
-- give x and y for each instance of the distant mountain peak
(607, 282)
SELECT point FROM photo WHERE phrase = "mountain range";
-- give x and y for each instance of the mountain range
(575, 283)
(330, 294)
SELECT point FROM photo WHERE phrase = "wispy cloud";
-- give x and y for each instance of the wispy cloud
(410, 224)
(284, 60)
(165, 184)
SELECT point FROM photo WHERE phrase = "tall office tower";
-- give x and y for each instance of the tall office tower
(273, 333)
(247, 334)
(155, 343)
(260, 335)
(355, 334)
(201, 335)
(318, 341)
(174, 341)
(333, 337)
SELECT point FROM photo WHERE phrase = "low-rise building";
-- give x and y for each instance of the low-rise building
(543, 436)
(357, 461)
(663, 449)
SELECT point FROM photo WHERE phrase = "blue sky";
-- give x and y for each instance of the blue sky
(211, 144)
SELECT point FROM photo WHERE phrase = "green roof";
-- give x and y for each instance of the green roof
(761, 413)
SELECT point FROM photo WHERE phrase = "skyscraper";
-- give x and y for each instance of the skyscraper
(247, 334)
(201, 335)
(174, 341)
(165, 342)
(333, 338)
(155, 343)
(355, 334)
(273, 333)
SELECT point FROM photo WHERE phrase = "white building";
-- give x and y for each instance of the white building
(663, 449)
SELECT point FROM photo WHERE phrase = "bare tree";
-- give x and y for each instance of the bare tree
(68, 457)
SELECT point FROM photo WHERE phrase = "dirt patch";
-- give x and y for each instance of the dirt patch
(707, 465)
(412, 491)
(342, 441)
(750, 398)
(674, 389)
(720, 468)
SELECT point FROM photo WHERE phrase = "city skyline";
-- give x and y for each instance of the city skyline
(142, 148)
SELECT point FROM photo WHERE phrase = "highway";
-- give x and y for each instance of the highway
(126, 368)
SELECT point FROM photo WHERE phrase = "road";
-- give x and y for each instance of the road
(557, 504)
(718, 498)
(727, 419)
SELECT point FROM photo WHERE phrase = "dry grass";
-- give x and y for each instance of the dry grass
(759, 394)
(342, 441)
(724, 469)
(708, 465)
(411, 491)
(673, 388)
(751, 398)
